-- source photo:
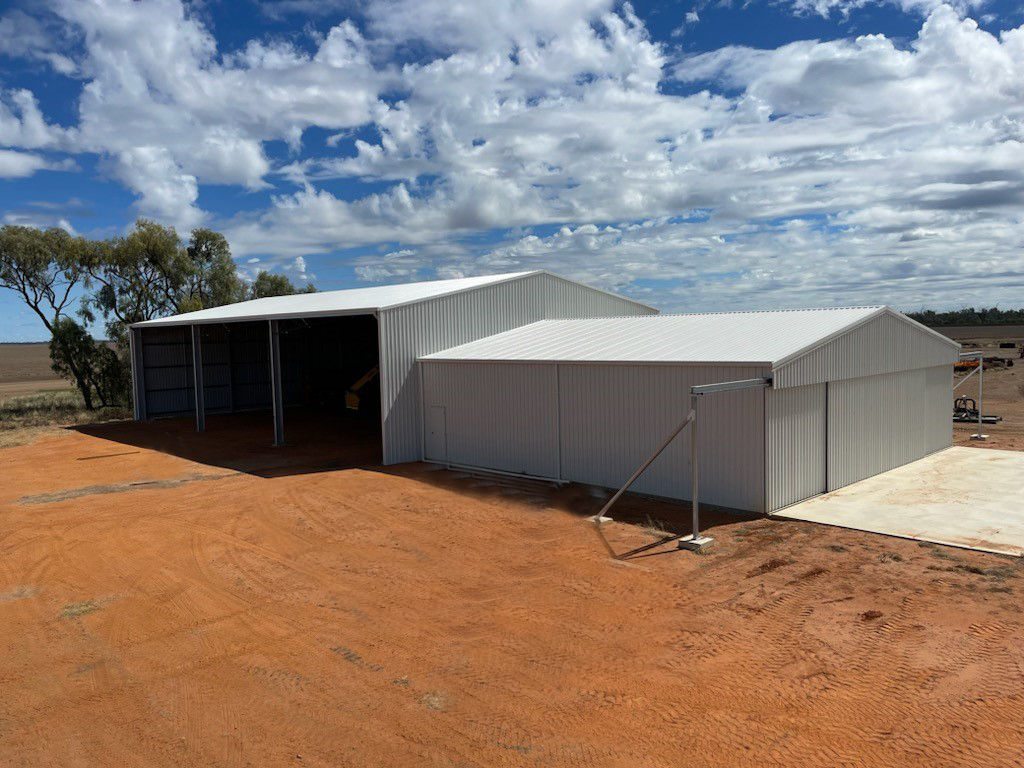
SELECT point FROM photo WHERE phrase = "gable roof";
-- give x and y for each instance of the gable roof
(354, 301)
(766, 338)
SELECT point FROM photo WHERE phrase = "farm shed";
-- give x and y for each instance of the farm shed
(311, 349)
(854, 392)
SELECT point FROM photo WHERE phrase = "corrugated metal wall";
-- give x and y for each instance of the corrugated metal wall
(236, 362)
(596, 424)
(430, 326)
(565, 300)
(795, 444)
(877, 423)
(497, 416)
(614, 416)
(250, 365)
(881, 345)
(216, 368)
(167, 371)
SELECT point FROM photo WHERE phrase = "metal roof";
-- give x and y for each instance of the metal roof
(758, 338)
(354, 301)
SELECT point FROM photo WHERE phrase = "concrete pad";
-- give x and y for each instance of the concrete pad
(962, 497)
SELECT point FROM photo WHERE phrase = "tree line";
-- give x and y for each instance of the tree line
(71, 283)
(969, 316)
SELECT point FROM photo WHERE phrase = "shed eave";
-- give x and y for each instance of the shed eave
(179, 320)
(568, 361)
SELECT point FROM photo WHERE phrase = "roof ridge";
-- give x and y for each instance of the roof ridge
(871, 307)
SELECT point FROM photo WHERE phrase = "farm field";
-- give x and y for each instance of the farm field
(25, 370)
(171, 599)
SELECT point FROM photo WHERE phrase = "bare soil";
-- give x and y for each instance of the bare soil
(305, 606)
(25, 369)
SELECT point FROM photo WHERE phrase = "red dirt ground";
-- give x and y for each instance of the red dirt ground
(305, 607)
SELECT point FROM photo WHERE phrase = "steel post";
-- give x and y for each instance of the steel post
(694, 503)
(197, 379)
(277, 396)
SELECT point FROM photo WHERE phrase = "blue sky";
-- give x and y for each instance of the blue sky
(695, 155)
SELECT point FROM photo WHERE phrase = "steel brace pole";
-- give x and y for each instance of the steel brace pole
(600, 516)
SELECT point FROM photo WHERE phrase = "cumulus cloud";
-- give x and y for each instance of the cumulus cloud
(17, 165)
(154, 79)
(826, 8)
(829, 171)
(38, 39)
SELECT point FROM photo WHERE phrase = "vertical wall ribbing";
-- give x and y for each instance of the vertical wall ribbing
(413, 330)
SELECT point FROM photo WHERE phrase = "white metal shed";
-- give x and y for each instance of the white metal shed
(855, 392)
(247, 355)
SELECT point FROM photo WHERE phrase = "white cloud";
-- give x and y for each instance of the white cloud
(844, 8)
(154, 79)
(168, 193)
(17, 165)
(24, 36)
(818, 172)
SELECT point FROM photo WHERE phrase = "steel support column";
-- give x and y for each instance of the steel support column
(275, 382)
(197, 379)
(138, 374)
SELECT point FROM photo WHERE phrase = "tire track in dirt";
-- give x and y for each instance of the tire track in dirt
(362, 618)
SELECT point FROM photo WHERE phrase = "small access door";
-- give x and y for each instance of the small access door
(435, 446)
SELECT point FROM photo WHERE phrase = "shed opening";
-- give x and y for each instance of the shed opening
(328, 380)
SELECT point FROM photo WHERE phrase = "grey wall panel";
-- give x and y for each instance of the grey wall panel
(566, 299)
(613, 417)
(882, 345)
(795, 444)
(419, 329)
(502, 417)
(162, 379)
(170, 402)
(877, 423)
(166, 371)
(937, 406)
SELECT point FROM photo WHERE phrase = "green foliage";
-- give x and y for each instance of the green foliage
(43, 267)
(267, 284)
(149, 273)
(96, 368)
(213, 280)
(146, 274)
(969, 316)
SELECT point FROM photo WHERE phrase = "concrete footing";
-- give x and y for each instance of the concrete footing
(695, 545)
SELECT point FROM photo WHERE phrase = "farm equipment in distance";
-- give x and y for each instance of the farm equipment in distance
(965, 411)
(970, 363)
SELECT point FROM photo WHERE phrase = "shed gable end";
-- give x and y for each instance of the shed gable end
(887, 343)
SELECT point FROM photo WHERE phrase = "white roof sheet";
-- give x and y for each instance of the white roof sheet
(764, 338)
(325, 303)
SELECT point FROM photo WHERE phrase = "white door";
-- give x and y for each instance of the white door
(435, 446)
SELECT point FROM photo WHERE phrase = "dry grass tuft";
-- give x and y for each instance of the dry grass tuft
(75, 610)
(48, 409)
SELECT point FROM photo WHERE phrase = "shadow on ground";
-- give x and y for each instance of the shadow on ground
(315, 441)
(323, 442)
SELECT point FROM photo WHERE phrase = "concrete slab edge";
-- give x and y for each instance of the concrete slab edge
(909, 537)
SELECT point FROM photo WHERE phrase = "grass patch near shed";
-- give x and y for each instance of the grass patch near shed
(49, 409)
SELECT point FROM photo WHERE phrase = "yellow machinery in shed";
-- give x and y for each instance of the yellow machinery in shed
(352, 394)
